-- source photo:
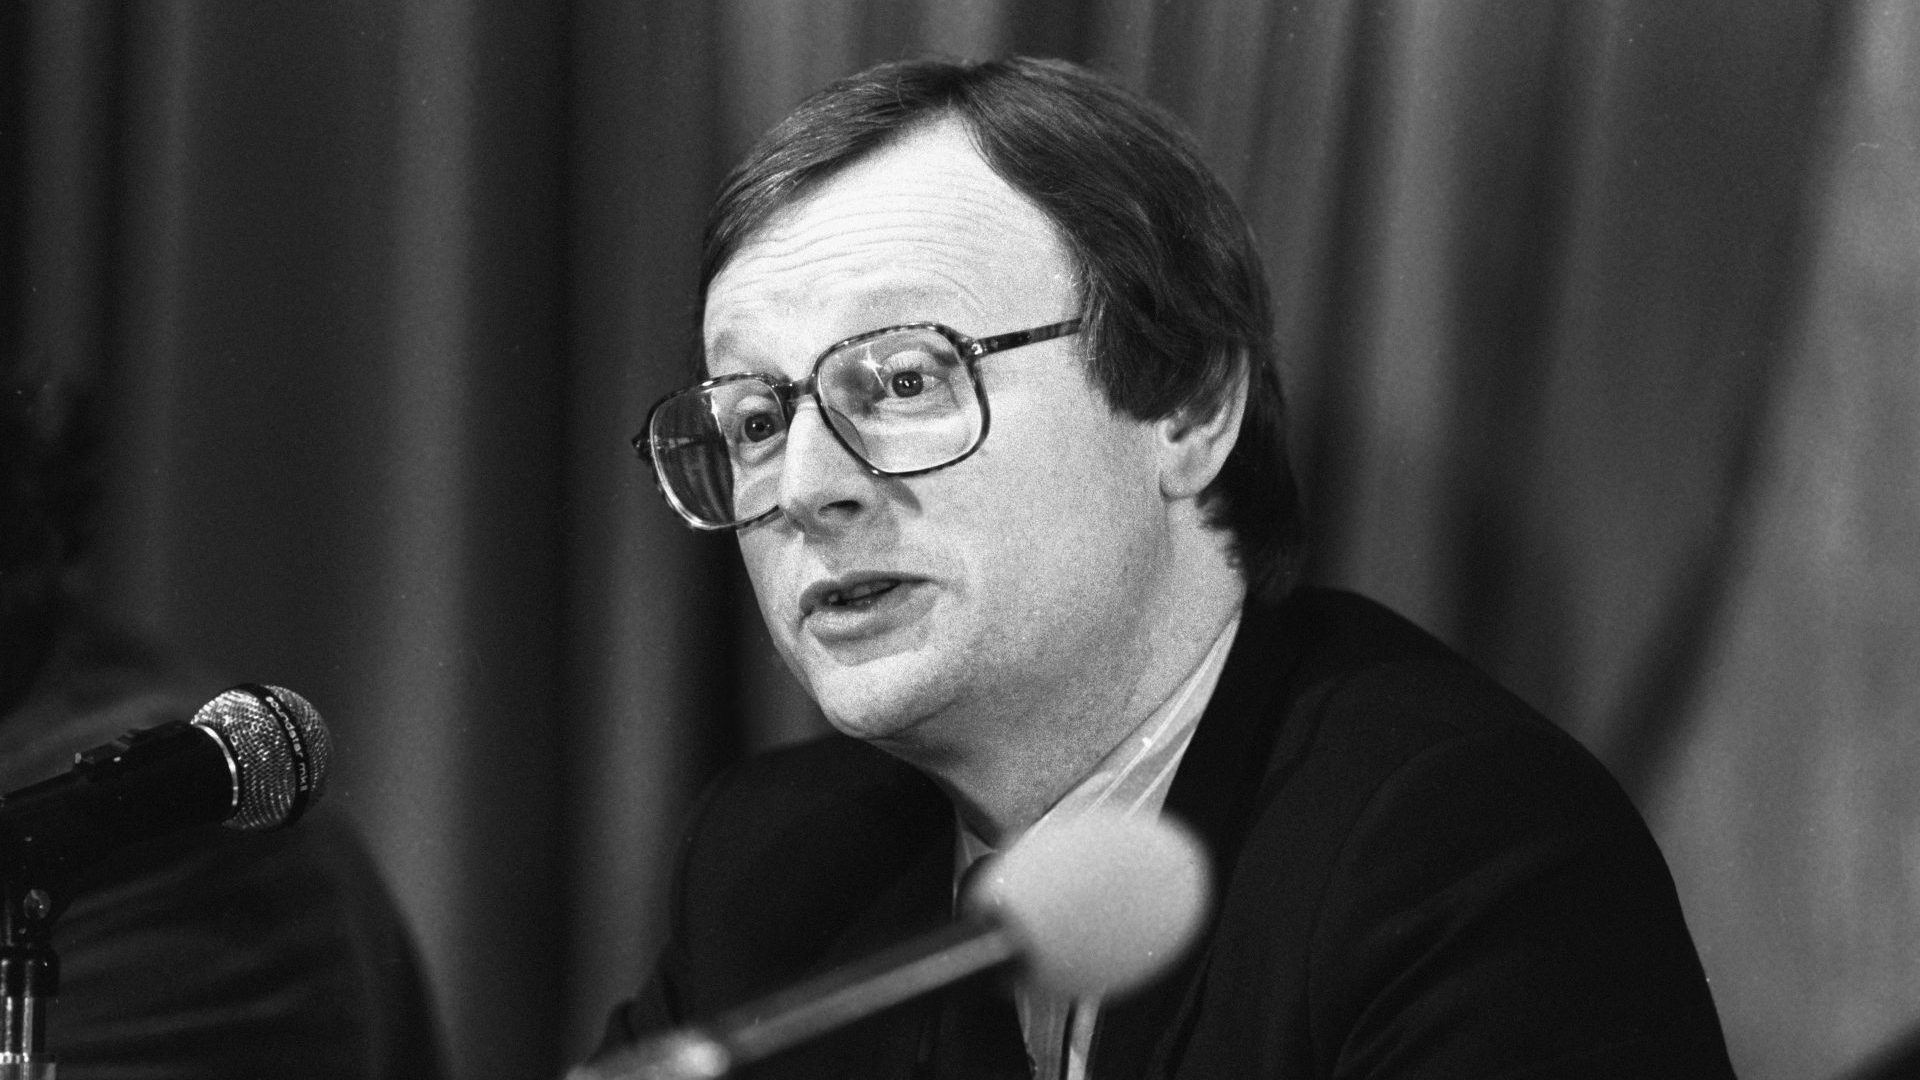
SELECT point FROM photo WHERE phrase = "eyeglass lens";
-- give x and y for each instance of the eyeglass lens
(902, 402)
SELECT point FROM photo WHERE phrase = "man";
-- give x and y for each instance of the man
(207, 954)
(990, 403)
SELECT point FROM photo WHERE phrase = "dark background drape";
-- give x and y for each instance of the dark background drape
(1601, 329)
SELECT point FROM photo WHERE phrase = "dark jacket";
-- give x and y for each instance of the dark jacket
(1419, 877)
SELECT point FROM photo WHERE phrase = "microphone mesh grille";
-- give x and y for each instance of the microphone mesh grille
(280, 750)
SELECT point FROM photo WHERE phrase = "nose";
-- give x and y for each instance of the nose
(822, 485)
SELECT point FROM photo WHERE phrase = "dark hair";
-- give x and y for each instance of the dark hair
(1173, 292)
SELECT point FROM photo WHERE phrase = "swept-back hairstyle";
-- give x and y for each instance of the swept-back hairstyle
(1173, 293)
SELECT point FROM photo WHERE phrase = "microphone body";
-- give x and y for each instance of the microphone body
(253, 758)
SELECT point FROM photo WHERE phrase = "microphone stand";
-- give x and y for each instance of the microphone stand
(29, 981)
(34, 874)
(50, 831)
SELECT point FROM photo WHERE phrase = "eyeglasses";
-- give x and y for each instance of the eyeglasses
(903, 400)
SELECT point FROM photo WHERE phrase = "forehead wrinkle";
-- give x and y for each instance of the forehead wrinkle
(869, 278)
(918, 232)
(873, 251)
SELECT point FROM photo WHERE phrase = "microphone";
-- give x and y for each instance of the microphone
(253, 758)
(1100, 905)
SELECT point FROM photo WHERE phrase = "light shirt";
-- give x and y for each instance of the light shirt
(1132, 779)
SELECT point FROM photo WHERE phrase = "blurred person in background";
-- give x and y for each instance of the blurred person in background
(206, 953)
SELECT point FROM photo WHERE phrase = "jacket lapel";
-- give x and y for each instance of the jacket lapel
(907, 901)
(1216, 793)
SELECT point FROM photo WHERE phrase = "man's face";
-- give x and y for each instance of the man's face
(933, 611)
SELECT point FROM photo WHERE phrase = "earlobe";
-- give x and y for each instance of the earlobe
(1194, 445)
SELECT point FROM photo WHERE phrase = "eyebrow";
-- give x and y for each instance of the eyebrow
(728, 344)
(909, 303)
(721, 342)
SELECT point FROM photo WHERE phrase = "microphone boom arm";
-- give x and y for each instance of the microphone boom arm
(790, 1017)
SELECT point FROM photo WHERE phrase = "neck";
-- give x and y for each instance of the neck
(1007, 770)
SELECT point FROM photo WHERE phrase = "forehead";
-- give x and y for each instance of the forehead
(922, 230)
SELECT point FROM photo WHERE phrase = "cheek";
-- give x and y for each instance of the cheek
(769, 585)
(1050, 528)
(1082, 485)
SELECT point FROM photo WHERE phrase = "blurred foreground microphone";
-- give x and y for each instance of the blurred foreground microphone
(253, 758)
(1098, 906)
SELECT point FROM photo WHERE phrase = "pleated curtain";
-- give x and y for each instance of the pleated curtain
(1601, 325)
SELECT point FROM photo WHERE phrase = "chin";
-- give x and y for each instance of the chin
(882, 731)
(878, 705)
(873, 717)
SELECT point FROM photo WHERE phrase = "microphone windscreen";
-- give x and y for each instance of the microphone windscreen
(278, 750)
(1102, 904)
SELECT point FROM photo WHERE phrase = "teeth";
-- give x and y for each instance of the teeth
(860, 592)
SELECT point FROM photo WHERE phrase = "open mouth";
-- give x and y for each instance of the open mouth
(863, 595)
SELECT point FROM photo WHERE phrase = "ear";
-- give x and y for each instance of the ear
(1193, 446)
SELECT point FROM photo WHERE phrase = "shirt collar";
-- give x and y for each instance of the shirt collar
(1132, 779)
(1135, 776)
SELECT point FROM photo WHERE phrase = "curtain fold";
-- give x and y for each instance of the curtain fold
(1792, 818)
(1599, 322)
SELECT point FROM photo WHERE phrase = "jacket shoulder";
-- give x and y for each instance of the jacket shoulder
(789, 855)
(1432, 863)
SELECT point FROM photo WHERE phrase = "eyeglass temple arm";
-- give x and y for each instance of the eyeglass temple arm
(999, 342)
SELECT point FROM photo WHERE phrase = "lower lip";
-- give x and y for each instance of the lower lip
(884, 612)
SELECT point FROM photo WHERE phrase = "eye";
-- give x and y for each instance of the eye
(751, 421)
(908, 372)
(758, 427)
(897, 377)
(907, 383)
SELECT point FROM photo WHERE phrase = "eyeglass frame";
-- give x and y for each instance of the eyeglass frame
(788, 391)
